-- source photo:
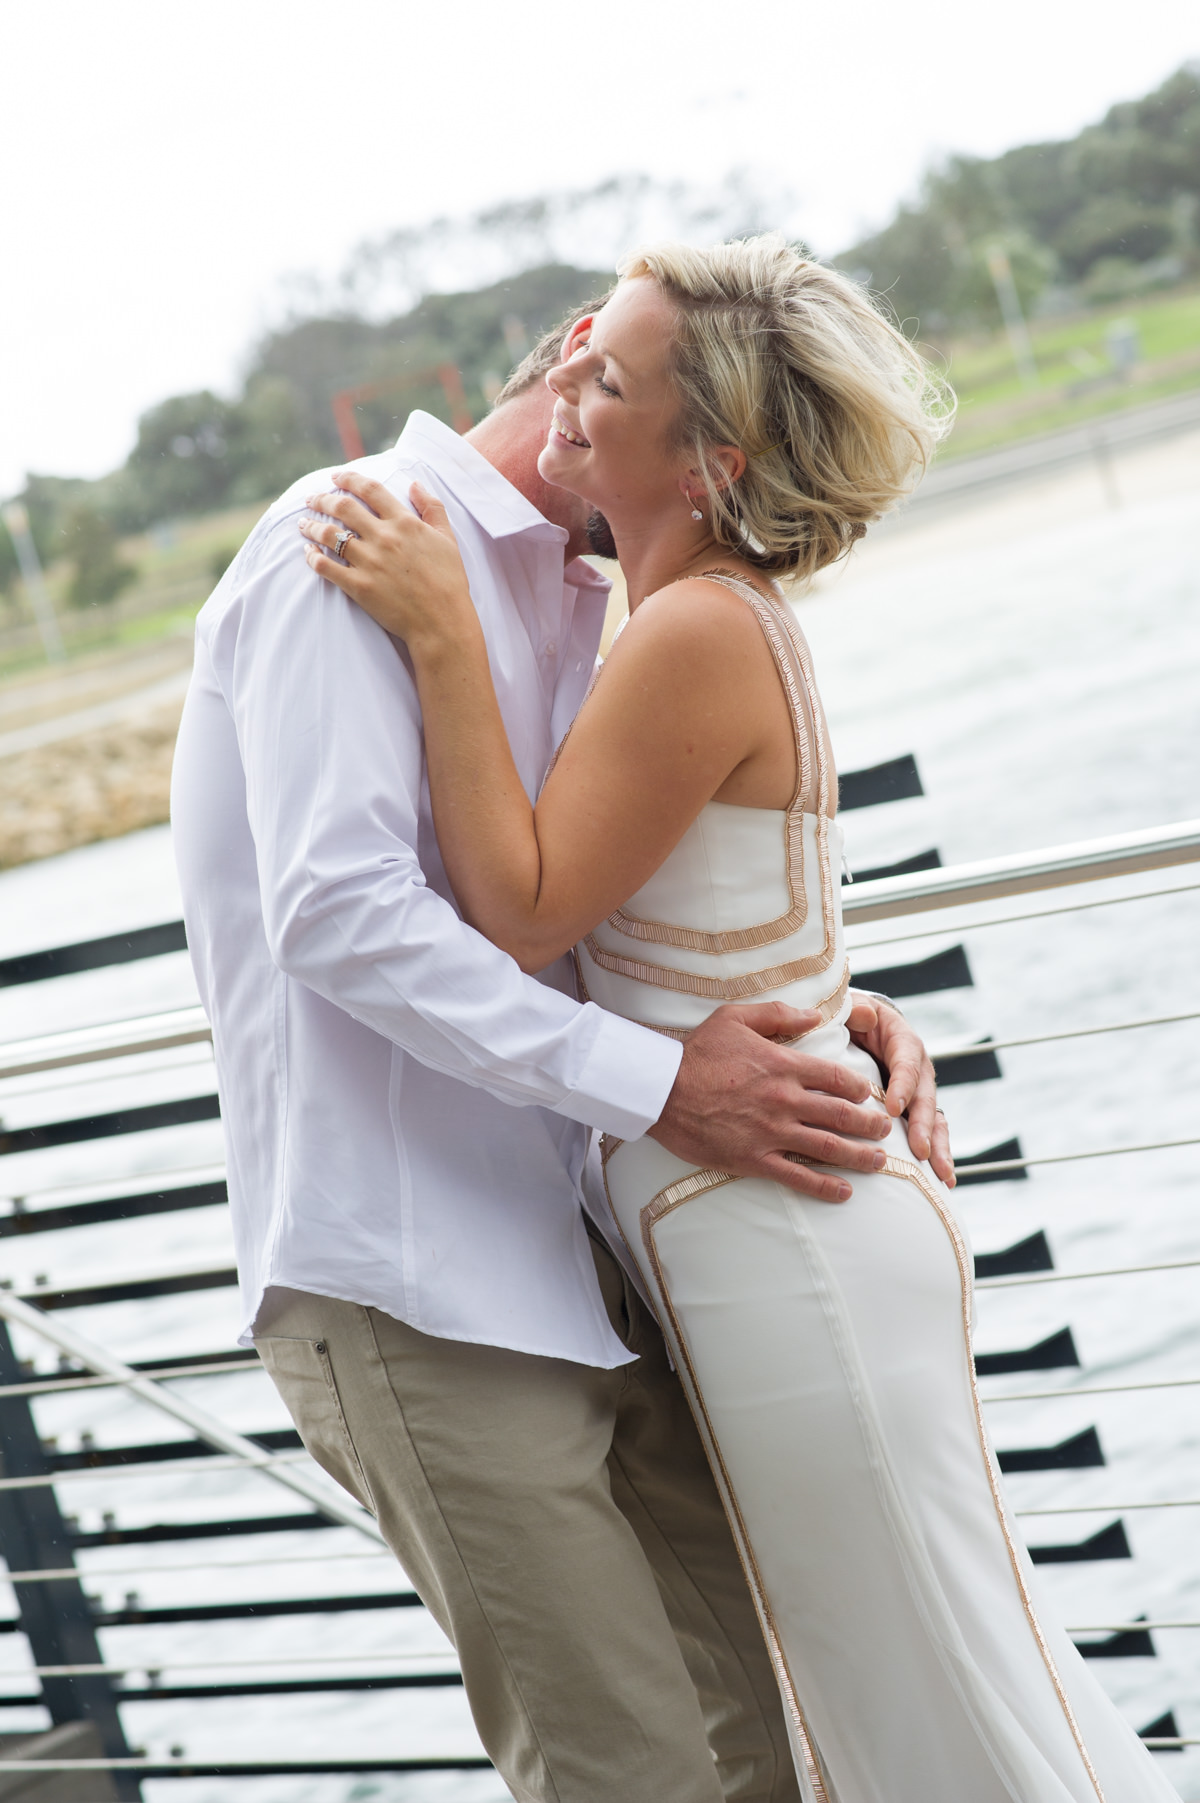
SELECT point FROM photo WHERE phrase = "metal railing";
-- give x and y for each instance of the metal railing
(217, 1448)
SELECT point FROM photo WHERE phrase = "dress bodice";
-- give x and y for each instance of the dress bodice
(746, 908)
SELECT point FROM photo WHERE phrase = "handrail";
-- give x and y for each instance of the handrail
(207, 1427)
(955, 885)
(1023, 873)
(111, 1039)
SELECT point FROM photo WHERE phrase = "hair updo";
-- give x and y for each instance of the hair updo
(837, 413)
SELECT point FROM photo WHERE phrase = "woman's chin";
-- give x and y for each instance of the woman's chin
(559, 467)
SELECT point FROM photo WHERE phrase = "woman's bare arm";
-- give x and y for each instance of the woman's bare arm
(688, 695)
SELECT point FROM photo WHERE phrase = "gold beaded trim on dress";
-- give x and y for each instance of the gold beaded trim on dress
(789, 652)
(806, 724)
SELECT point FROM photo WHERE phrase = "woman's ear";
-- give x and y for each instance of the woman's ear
(727, 465)
(577, 338)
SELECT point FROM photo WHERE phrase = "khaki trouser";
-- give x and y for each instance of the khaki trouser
(561, 1525)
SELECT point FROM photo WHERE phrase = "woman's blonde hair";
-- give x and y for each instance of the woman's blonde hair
(837, 413)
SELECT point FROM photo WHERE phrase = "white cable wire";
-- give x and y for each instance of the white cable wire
(941, 1056)
(1008, 920)
(1021, 1164)
(1161, 1383)
(161, 1469)
(1008, 1283)
(1111, 1508)
(226, 1665)
(98, 1574)
(53, 1386)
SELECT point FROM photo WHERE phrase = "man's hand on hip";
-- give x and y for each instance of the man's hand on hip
(738, 1091)
(911, 1080)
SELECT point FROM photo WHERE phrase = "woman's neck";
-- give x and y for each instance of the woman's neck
(656, 555)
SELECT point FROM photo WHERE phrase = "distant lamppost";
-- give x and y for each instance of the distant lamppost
(1000, 270)
(16, 518)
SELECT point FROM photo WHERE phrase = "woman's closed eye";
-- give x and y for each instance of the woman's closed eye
(606, 388)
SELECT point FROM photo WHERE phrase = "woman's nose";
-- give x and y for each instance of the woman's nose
(560, 382)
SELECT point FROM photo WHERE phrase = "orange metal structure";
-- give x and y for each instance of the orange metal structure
(346, 400)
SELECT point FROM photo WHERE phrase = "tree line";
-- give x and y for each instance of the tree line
(1109, 213)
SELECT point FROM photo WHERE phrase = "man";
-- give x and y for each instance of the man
(406, 1120)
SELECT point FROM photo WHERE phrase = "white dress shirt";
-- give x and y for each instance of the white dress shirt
(405, 1113)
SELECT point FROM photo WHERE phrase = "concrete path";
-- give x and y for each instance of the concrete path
(106, 713)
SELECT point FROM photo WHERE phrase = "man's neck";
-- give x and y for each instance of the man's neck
(511, 439)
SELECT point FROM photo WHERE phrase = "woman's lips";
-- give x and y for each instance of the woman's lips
(559, 425)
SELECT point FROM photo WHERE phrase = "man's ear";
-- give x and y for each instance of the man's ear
(578, 335)
(727, 465)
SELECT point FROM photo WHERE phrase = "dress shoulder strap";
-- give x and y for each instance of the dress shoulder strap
(816, 784)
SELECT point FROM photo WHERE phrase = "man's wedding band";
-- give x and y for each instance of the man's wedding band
(342, 540)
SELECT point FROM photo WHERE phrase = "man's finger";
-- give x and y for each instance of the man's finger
(832, 1114)
(822, 1074)
(774, 1020)
(822, 1147)
(863, 1016)
(940, 1157)
(824, 1186)
(904, 1077)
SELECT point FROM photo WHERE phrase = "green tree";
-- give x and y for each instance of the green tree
(99, 574)
(269, 445)
(1126, 188)
(181, 462)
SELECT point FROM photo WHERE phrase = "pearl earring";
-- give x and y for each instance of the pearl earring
(696, 513)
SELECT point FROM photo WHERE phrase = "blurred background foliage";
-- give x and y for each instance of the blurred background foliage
(1108, 218)
(1104, 216)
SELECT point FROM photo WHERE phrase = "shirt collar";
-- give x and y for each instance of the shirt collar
(490, 498)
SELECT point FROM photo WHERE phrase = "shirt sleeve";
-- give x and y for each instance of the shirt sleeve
(328, 728)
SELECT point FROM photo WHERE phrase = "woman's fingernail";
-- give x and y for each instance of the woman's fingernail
(879, 1160)
(844, 1192)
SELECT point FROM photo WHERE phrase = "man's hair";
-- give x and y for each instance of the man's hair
(546, 353)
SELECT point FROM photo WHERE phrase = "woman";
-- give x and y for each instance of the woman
(738, 414)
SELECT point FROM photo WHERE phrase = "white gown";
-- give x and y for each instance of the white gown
(826, 1352)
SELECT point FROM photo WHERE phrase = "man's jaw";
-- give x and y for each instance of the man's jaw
(600, 540)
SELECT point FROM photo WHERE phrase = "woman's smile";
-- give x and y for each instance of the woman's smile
(559, 426)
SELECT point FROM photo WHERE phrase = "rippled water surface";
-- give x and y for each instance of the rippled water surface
(1047, 675)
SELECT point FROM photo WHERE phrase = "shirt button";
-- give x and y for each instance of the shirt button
(550, 649)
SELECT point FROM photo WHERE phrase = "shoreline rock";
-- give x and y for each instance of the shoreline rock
(98, 785)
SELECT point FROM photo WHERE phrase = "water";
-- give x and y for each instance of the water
(1041, 658)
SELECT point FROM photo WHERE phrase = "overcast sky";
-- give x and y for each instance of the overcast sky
(165, 165)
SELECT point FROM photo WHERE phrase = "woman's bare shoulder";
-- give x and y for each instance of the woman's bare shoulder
(695, 620)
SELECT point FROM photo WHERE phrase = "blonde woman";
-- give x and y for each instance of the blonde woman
(738, 415)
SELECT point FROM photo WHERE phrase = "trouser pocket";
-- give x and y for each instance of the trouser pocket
(302, 1372)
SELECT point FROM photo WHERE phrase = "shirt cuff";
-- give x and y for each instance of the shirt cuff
(627, 1076)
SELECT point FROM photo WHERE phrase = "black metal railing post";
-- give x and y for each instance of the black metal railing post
(56, 1616)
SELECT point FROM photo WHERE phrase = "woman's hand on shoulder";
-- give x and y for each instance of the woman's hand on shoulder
(399, 565)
